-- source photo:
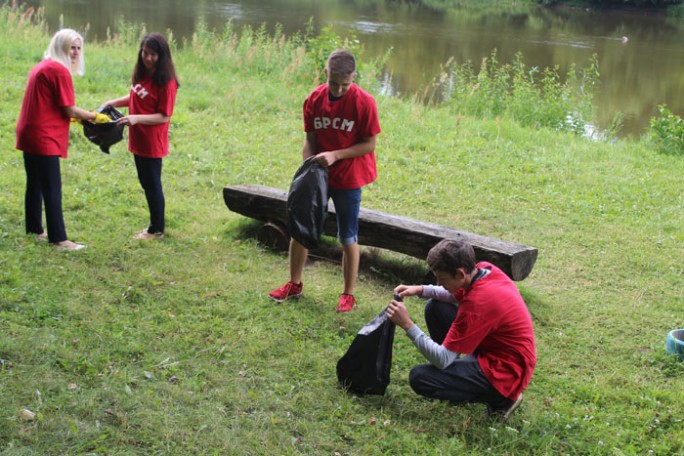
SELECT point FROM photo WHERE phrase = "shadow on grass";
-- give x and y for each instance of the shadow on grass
(386, 267)
(421, 415)
(539, 309)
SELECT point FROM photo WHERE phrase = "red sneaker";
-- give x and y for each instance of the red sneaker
(346, 303)
(289, 290)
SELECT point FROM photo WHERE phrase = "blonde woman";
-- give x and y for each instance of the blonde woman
(43, 134)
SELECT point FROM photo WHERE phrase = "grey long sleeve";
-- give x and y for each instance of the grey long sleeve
(440, 356)
(437, 354)
(438, 293)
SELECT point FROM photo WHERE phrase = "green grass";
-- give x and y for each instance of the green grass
(172, 347)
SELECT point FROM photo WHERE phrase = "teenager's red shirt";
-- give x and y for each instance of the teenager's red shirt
(494, 324)
(340, 124)
(151, 141)
(43, 127)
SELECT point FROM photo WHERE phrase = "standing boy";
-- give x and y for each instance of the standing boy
(341, 125)
(477, 311)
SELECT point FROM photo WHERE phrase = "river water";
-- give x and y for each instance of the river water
(640, 53)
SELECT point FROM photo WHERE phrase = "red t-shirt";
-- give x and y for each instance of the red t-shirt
(43, 127)
(494, 324)
(340, 124)
(151, 141)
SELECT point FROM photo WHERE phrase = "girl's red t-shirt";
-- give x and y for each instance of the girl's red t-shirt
(151, 141)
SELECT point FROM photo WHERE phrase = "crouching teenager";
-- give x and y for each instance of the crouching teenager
(481, 345)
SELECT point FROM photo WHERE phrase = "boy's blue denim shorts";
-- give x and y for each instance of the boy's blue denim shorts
(347, 207)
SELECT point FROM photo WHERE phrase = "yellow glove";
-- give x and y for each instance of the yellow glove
(75, 120)
(101, 118)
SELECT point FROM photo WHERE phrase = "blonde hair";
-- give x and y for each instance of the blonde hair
(59, 48)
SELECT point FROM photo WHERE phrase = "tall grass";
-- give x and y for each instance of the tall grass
(172, 347)
(530, 96)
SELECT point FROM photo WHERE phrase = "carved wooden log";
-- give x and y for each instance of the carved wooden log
(387, 231)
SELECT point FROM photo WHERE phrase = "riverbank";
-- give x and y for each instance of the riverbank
(172, 347)
(573, 4)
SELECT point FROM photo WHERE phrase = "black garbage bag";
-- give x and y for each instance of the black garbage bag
(307, 203)
(365, 368)
(105, 134)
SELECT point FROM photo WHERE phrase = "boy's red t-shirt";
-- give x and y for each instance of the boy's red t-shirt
(340, 124)
(151, 141)
(494, 324)
(43, 126)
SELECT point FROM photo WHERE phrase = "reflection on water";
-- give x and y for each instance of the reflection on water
(637, 74)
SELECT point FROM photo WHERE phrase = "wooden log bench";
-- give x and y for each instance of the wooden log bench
(386, 231)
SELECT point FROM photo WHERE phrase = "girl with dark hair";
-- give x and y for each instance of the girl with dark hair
(150, 106)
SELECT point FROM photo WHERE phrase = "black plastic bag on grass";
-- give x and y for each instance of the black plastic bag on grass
(107, 134)
(307, 203)
(365, 368)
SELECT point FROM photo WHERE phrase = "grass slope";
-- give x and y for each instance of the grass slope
(172, 347)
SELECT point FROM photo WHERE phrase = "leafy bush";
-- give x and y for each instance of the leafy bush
(320, 46)
(668, 131)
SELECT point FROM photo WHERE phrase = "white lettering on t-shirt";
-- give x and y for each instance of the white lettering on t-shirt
(322, 123)
(140, 90)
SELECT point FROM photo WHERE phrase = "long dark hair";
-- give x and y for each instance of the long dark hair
(164, 71)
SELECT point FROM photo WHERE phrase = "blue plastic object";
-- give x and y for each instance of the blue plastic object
(675, 343)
